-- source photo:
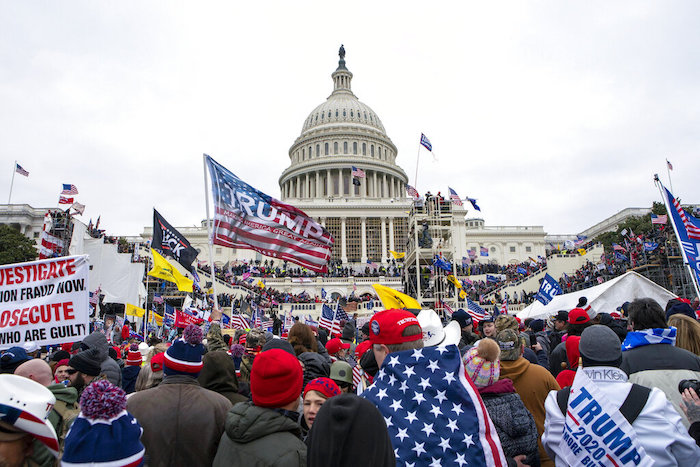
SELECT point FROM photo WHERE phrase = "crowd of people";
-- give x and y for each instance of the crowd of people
(400, 389)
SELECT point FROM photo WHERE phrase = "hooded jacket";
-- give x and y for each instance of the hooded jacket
(532, 383)
(219, 375)
(215, 340)
(315, 365)
(130, 373)
(108, 367)
(515, 426)
(257, 436)
(182, 422)
(61, 417)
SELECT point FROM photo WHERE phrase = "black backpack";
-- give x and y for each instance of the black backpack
(630, 408)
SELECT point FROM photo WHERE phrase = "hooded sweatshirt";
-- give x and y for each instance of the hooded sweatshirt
(259, 436)
(108, 367)
(219, 375)
(215, 341)
(349, 431)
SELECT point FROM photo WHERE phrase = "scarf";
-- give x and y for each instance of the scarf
(649, 337)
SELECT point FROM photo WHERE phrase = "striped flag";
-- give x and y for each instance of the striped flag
(50, 246)
(327, 318)
(356, 376)
(504, 307)
(69, 189)
(689, 222)
(372, 264)
(669, 165)
(412, 192)
(64, 200)
(238, 321)
(448, 310)
(268, 323)
(475, 311)
(20, 170)
(660, 219)
(359, 173)
(247, 218)
(157, 298)
(454, 197)
(425, 142)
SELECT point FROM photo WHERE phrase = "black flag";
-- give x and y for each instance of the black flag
(170, 242)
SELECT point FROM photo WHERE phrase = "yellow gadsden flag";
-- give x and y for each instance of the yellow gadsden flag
(396, 254)
(162, 269)
(581, 251)
(157, 319)
(394, 299)
(454, 281)
(133, 310)
(462, 294)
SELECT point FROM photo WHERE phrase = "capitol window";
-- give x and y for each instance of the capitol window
(528, 249)
(345, 147)
(326, 149)
(352, 115)
(335, 148)
(336, 113)
(371, 150)
(318, 150)
(309, 152)
(329, 114)
(512, 249)
(364, 149)
(303, 154)
(354, 147)
(344, 114)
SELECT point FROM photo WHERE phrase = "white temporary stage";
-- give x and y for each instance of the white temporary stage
(603, 298)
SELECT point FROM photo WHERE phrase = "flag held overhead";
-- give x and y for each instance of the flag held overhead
(162, 269)
(391, 298)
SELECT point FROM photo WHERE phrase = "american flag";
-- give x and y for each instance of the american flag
(257, 322)
(447, 308)
(454, 197)
(64, 200)
(359, 173)
(69, 189)
(660, 219)
(238, 321)
(504, 307)
(168, 315)
(20, 170)
(95, 296)
(689, 222)
(247, 218)
(372, 264)
(327, 318)
(356, 376)
(158, 298)
(425, 142)
(268, 323)
(617, 247)
(475, 311)
(50, 246)
(484, 251)
(669, 165)
(412, 192)
(433, 413)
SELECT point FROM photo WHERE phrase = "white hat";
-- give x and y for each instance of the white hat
(30, 346)
(26, 404)
(433, 332)
(144, 349)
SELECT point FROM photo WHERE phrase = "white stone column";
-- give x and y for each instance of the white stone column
(374, 185)
(385, 187)
(329, 187)
(318, 183)
(363, 186)
(384, 252)
(391, 236)
(364, 240)
(307, 186)
(343, 249)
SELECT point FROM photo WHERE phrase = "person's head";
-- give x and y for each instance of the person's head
(276, 380)
(302, 339)
(488, 326)
(32, 348)
(254, 341)
(349, 430)
(341, 373)
(36, 370)
(646, 313)
(316, 392)
(393, 331)
(12, 358)
(60, 372)
(561, 319)
(184, 357)
(466, 323)
(600, 346)
(134, 357)
(510, 344)
(679, 306)
(104, 433)
(84, 367)
(337, 348)
(687, 332)
(28, 405)
(578, 321)
(278, 344)
(482, 364)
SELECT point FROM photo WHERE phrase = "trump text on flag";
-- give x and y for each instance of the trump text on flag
(45, 301)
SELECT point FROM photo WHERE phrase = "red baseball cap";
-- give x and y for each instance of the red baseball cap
(361, 348)
(578, 316)
(334, 345)
(386, 327)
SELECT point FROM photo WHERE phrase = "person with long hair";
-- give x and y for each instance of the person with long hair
(687, 332)
(302, 339)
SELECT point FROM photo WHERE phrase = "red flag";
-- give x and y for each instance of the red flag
(183, 319)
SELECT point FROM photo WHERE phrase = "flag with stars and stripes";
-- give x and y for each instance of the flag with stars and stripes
(238, 321)
(687, 230)
(327, 318)
(455, 197)
(433, 412)
(475, 311)
(247, 218)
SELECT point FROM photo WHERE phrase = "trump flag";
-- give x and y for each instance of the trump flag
(248, 218)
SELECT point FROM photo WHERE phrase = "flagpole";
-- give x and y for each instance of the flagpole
(14, 169)
(212, 273)
(148, 280)
(415, 179)
(668, 170)
(693, 276)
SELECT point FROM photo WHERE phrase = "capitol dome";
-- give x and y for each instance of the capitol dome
(338, 135)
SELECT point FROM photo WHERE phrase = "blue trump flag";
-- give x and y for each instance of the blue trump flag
(521, 270)
(548, 289)
(442, 264)
(433, 413)
(650, 246)
(491, 278)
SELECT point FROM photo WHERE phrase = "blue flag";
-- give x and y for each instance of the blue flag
(442, 264)
(474, 205)
(548, 289)
(620, 257)
(650, 246)
(491, 278)
(521, 270)
(434, 415)
(687, 230)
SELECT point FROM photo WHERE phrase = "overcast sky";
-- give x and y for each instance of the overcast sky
(550, 113)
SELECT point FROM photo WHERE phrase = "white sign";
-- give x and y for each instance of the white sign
(44, 301)
(596, 433)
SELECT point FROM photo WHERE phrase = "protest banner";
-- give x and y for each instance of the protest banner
(44, 301)
(548, 289)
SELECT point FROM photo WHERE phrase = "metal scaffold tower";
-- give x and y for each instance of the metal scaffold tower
(430, 236)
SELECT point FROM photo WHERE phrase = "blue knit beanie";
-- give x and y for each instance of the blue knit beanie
(184, 357)
(104, 433)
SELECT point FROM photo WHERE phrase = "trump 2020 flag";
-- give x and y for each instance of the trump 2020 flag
(248, 218)
(548, 289)
(433, 412)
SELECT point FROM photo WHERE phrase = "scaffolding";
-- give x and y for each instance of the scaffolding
(61, 228)
(430, 236)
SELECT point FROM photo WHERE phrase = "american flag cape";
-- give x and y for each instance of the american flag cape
(434, 414)
(249, 219)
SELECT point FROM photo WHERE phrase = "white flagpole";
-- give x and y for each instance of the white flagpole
(668, 171)
(211, 247)
(693, 276)
(415, 179)
(14, 170)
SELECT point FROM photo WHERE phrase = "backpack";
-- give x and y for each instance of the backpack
(630, 408)
(66, 414)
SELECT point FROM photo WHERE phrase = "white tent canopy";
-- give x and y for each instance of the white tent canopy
(603, 298)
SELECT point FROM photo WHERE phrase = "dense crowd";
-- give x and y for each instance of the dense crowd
(398, 389)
